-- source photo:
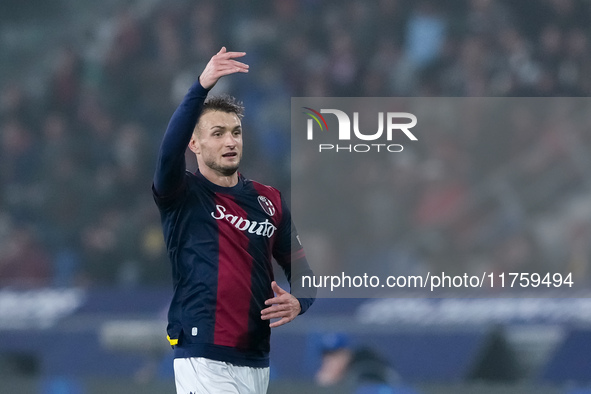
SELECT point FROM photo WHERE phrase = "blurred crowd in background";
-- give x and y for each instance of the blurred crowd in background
(81, 122)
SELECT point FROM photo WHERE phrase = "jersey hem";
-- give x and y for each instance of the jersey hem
(222, 353)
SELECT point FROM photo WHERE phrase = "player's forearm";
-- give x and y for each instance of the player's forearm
(170, 166)
(295, 271)
(306, 295)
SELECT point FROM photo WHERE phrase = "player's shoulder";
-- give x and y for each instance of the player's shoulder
(191, 174)
(268, 197)
(196, 183)
(261, 188)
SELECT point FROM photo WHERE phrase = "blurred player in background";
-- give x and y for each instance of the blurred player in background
(222, 231)
(354, 369)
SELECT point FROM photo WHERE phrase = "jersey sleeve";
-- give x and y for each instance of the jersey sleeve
(170, 166)
(289, 254)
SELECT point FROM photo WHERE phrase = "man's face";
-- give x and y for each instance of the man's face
(217, 141)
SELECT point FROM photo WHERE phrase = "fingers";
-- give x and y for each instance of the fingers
(276, 308)
(278, 290)
(274, 300)
(233, 64)
(222, 54)
(285, 316)
(278, 299)
(227, 62)
(222, 64)
(221, 67)
(237, 64)
(283, 306)
(229, 69)
(280, 322)
(279, 308)
(275, 315)
(229, 55)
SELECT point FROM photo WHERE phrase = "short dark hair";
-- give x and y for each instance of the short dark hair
(224, 103)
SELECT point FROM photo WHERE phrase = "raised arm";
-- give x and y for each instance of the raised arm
(170, 167)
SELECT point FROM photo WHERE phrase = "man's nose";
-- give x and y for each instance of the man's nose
(230, 140)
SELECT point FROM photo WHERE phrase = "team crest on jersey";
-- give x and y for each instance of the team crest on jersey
(267, 205)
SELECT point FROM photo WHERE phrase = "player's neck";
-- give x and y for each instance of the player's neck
(219, 179)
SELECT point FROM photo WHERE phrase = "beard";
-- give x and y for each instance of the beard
(225, 170)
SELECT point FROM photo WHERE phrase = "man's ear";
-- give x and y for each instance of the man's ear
(194, 144)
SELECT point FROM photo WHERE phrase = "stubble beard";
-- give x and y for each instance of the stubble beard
(223, 170)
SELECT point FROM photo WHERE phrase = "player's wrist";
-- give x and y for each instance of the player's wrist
(202, 84)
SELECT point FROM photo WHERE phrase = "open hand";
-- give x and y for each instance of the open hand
(221, 64)
(284, 306)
